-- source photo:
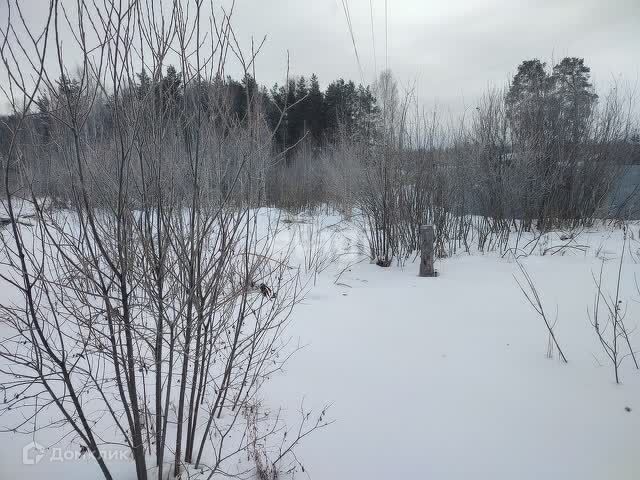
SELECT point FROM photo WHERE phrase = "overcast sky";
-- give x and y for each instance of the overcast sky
(451, 49)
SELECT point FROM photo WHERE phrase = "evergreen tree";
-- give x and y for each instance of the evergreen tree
(289, 116)
(144, 83)
(235, 93)
(168, 92)
(315, 110)
(276, 120)
(574, 94)
(367, 114)
(527, 100)
(68, 87)
(311, 114)
(299, 112)
(340, 107)
(301, 88)
(43, 118)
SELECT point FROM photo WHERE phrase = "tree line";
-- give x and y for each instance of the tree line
(300, 111)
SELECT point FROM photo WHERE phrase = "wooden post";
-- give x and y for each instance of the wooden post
(426, 250)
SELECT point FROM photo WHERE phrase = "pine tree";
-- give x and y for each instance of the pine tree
(341, 103)
(574, 94)
(366, 115)
(168, 94)
(527, 100)
(289, 117)
(277, 122)
(300, 114)
(144, 83)
(315, 109)
(248, 94)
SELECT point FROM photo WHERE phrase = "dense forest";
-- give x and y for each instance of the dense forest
(300, 112)
(296, 112)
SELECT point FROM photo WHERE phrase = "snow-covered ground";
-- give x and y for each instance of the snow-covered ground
(447, 377)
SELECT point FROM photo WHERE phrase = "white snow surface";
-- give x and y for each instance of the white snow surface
(447, 377)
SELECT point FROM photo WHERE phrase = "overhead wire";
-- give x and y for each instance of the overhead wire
(386, 34)
(373, 41)
(347, 14)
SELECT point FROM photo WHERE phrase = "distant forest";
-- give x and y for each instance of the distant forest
(299, 112)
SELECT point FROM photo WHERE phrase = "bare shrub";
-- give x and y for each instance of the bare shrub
(612, 333)
(530, 292)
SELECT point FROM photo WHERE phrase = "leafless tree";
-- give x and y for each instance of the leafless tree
(149, 292)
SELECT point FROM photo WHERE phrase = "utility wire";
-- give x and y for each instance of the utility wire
(386, 34)
(373, 41)
(347, 14)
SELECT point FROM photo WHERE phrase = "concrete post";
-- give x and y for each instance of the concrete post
(427, 237)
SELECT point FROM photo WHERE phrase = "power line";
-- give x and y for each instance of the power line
(386, 34)
(347, 14)
(373, 41)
